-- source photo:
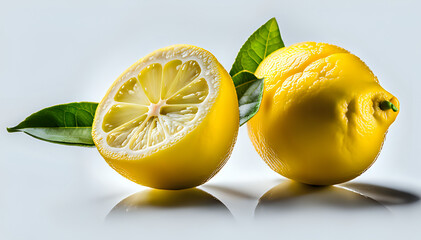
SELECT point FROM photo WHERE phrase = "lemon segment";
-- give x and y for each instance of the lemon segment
(132, 92)
(120, 137)
(120, 114)
(195, 92)
(143, 124)
(150, 79)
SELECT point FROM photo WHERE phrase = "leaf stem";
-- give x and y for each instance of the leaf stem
(386, 105)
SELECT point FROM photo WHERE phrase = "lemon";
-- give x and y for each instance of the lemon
(323, 116)
(170, 120)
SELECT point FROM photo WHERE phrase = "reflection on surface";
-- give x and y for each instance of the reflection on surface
(383, 195)
(232, 191)
(291, 197)
(170, 205)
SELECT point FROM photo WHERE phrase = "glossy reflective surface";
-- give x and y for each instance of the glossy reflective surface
(55, 52)
(170, 205)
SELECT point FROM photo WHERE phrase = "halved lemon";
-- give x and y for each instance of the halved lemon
(170, 120)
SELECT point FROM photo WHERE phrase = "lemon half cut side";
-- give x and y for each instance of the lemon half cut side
(170, 120)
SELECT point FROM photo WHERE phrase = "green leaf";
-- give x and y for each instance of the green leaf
(69, 124)
(260, 44)
(249, 93)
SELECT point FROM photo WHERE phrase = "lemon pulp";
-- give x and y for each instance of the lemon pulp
(156, 106)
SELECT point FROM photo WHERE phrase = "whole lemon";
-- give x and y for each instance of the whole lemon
(323, 116)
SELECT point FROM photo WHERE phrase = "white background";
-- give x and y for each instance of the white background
(54, 52)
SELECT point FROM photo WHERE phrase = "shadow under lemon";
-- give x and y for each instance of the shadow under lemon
(293, 198)
(384, 195)
(174, 206)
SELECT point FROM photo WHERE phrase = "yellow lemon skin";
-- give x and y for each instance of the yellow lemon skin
(195, 158)
(320, 120)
